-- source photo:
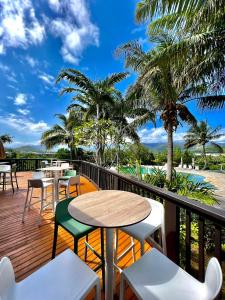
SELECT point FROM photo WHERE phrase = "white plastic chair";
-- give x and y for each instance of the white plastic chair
(70, 182)
(155, 277)
(65, 166)
(65, 277)
(42, 185)
(143, 231)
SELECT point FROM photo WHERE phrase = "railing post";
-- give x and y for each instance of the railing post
(172, 229)
(36, 164)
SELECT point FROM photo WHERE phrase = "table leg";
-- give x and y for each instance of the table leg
(109, 264)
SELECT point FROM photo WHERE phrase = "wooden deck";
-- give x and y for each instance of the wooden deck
(29, 246)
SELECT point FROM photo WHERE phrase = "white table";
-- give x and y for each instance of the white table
(55, 170)
(109, 209)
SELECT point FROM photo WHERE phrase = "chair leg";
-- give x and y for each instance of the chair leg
(163, 242)
(55, 240)
(97, 291)
(4, 181)
(11, 179)
(103, 257)
(133, 249)
(116, 245)
(25, 205)
(75, 245)
(85, 249)
(31, 195)
(142, 247)
(122, 287)
(16, 181)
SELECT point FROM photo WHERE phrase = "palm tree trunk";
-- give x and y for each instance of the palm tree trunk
(204, 156)
(98, 144)
(169, 152)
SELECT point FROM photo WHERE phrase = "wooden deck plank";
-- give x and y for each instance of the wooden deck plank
(29, 246)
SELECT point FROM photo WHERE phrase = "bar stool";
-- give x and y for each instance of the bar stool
(8, 176)
(154, 276)
(66, 277)
(42, 185)
(78, 231)
(66, 183)
(144, 231)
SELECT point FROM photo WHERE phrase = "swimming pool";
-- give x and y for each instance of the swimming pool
(146, 170)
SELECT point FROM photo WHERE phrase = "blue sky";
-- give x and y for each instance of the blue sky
(39, 38)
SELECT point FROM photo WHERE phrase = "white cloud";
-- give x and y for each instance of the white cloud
(20, 99)
(19, 26)
(49, 79)
(8, 73)
(23, 111)
(74, 27)
(158, 135)
(31, 61)
(24, 124)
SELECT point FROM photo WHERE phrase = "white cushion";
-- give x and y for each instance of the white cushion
(65, 277)
(156, 277)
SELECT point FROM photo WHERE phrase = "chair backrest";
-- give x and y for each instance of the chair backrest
(44, 163)
(213, 278)
(38, 175)
(14, 167)
(157, 209)
(5, 168)
(65, 165)
(35, 183)
(70, 173)
(7, 279)
(74, 180)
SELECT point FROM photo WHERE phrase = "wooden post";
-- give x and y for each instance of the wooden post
(172, 229)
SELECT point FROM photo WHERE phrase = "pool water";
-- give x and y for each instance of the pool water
(145, 170)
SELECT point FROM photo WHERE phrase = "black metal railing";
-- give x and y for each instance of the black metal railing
(194, 231)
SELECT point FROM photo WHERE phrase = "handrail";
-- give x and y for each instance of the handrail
(195, 206)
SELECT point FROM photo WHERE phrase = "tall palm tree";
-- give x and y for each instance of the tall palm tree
(200, 48)
(156, 90)
(6, 138)
(92, 97)
(201, 134)
(63, 133)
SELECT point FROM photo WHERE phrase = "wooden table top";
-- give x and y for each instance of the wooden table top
(109, 208)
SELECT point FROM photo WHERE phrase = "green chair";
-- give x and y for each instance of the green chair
(78, 231)
(68, 174)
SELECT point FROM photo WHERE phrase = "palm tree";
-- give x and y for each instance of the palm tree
(63, 133)
(157, 91)
(200, 48)
(92, 97)
(201, 134)
(6, 138)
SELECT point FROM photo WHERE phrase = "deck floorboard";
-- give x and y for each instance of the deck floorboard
(29, 245)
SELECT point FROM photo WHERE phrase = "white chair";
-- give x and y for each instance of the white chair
(70, 182)
(143, 231)
(41, 184)
(65, 166)
(184, 166)
(65, 277)
(197, 168)
(190, 167)
(156, 277)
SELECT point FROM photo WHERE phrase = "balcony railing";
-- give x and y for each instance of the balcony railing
(194, 231)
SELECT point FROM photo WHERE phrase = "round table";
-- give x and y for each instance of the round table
(109, 209)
